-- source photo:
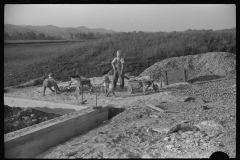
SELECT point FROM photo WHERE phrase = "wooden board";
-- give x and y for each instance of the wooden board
(174, 76)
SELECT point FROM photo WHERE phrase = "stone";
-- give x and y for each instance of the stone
(189, 132)
(204, 144)
(188, 141)
(166, 139)
(146, 156)
(153, 116)
(71, 157)
(169, 146)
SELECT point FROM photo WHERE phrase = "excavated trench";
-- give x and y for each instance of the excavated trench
(71, 127)
(114, 111)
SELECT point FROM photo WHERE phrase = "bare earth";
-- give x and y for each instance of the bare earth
(192, 127)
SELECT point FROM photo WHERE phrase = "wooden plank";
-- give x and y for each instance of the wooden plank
(175, 76)
(156, 108)
(161, 110)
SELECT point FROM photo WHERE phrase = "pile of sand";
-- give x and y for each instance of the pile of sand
(212, 63)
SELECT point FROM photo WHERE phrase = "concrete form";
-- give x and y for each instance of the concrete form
(34, 140)
(24, 103)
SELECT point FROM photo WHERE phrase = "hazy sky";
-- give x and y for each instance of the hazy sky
(125, 17)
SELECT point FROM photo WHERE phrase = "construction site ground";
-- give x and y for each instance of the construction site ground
(195, 120)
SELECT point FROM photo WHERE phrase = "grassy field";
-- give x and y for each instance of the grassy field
(23, 62)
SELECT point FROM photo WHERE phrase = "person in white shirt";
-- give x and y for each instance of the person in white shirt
(118, 66)
(108, 86)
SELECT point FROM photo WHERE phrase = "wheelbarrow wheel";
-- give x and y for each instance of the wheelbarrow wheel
(155, 88)
(129, 89)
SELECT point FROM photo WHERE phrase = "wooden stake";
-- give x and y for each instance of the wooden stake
(96, 99)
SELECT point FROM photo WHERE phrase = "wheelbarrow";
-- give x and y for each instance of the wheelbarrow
(80, 81)
(142, 85)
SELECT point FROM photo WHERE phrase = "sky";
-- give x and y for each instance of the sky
(125, 17)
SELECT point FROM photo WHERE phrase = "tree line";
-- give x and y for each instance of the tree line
(40, 36)
(29, 36)
(89, 35)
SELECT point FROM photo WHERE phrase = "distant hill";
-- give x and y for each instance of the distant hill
(100, 30)
(53, 30)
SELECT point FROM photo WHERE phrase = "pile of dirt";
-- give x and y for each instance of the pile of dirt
(212, 63)
(16, 118)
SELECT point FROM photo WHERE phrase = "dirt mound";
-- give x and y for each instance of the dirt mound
(212, 63)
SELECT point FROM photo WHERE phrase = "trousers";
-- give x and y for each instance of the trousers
(117, 75)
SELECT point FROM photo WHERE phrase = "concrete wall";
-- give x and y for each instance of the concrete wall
(37, 142)
(24, 103)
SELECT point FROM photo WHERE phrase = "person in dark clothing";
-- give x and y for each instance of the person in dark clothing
(49, 83)
(118, 66)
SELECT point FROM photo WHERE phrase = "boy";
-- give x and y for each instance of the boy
(108, 87)
(118, 66)
(50, 82)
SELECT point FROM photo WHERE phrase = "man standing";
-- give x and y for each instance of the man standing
(118, 66)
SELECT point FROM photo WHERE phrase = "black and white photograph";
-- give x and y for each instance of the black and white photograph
(119, 81)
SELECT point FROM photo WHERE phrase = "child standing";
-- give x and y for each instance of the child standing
(108, 86)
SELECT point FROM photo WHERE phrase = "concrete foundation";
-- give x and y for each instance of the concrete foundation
(24, 103)
(32, 141)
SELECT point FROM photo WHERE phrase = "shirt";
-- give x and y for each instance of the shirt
(118, 62)
(107, 85)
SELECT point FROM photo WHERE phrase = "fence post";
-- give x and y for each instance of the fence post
(166, 79)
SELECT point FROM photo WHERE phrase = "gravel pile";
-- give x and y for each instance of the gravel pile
(223, 89)
(212, 63)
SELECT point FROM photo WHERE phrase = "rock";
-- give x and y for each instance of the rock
(71, 157)
(206, 107)
(169, 146)
(197, 134)
(189, 99)
(189, 132)
(146, 156)
(204, 144)
(184, 135)
(210, 123)
(153, 116)
(188, 141)
(166, 139)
